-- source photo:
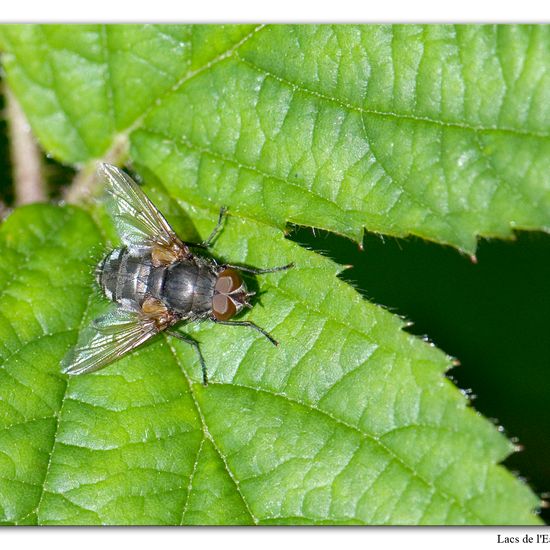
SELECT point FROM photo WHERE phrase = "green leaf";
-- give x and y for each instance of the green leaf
(437, 131)
(350, 419)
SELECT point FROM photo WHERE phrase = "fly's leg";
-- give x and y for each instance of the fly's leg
(248, 324)
(215, 231)
(259, 271)
(195, 344)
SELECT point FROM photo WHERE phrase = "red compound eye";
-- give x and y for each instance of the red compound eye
(228, 281)
(223, 307)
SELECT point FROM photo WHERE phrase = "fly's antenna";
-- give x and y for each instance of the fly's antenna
(246, 303)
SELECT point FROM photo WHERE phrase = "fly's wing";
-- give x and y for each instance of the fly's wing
(106, 339)
(137, 220)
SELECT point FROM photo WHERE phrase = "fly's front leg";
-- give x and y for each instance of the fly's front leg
(260, 271)
(248, 324)
(195, 344)
(208, 242)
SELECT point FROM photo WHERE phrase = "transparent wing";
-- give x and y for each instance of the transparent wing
(137, 220)
(108, 338)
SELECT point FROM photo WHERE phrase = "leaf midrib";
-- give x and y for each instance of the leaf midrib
(389, 114)
(156, 102)
(207, 435)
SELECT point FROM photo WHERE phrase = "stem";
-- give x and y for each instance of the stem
(25, 155)
(82, 187)
(4, 211)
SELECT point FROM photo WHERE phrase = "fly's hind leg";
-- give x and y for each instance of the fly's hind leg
(208, 242)
(195, 344)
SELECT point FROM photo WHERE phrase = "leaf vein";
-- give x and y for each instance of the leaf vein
(191, 479)
(209, 436)
(401, 461)
(390, 114)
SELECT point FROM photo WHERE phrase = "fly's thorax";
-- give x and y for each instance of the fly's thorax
(188, 287)
(230, 294)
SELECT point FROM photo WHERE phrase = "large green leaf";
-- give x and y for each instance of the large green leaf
(350, 420)
(438, 131)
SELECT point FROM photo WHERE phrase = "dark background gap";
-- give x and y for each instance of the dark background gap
(57, 175)
(6, 187)
(493, 316)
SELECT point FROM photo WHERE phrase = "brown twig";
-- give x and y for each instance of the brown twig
(4, 211)
(82, 187)
(25, 155)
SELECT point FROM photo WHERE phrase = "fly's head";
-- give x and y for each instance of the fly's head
(230, 294)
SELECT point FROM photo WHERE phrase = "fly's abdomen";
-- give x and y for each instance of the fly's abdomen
(126, 277)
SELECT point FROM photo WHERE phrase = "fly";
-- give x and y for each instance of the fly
(154, 281)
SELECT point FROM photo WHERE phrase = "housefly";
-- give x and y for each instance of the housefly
(154, 281)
